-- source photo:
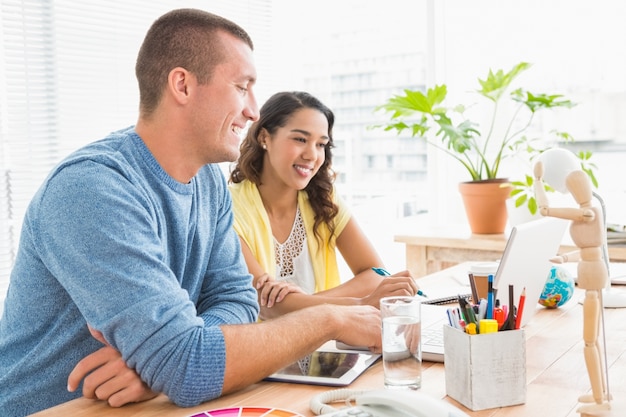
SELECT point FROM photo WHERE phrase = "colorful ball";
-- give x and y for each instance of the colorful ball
(559, 288)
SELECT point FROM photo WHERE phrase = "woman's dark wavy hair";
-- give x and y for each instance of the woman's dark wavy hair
(275, 114)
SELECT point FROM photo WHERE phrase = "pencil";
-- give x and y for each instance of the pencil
(520, 308)
(472, 281)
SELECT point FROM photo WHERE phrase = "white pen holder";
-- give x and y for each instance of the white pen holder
(485, 370)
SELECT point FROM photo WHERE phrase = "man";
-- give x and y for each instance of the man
(132, 237)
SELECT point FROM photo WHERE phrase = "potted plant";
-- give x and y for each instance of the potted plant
(481, 154)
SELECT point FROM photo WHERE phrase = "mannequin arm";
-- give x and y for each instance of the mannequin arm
(568, 213)
(538, 187)
(573, 256)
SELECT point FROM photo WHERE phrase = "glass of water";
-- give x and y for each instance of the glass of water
(401, 334)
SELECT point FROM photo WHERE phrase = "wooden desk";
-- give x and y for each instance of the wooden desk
(435, 249)
(556, 373)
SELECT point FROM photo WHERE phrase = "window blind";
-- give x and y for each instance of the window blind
(67, 79)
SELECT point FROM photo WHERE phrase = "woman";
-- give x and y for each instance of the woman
(290, 219)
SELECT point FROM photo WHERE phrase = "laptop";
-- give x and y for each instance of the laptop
(433, 318)
(525, 263)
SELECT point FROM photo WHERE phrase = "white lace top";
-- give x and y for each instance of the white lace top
(293, 263)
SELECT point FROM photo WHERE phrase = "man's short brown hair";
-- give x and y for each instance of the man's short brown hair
(184, 38)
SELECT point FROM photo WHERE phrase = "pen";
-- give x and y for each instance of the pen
(462, 325)
(450, 314)
(454, 318)
(482, 309)
(385, 273)
(467, 309)
(469, 314)
(489, 314)
(462, 310)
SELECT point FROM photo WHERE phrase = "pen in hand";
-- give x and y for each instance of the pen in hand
(385, 273)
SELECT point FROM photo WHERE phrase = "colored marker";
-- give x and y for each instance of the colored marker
(498, 314)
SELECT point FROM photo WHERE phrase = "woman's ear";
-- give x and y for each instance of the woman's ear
(263, 138)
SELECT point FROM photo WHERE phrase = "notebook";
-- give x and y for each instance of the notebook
(447, 295)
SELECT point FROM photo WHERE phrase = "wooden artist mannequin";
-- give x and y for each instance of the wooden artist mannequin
(588, 234)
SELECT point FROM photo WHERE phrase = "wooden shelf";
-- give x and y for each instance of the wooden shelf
(432, 250)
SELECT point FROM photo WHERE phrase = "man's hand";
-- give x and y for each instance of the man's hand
(361, 326)
(106, 377)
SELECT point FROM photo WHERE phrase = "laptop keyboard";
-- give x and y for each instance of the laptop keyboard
(432, 336)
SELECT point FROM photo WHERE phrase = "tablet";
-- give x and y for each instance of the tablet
(327, 367)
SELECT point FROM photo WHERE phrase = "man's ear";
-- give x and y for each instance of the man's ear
(179, 82)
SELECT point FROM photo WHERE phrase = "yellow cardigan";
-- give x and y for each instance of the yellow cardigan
(253, 226)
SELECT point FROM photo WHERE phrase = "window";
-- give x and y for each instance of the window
(67, 78)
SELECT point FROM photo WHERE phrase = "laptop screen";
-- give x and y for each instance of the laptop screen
(526, 262)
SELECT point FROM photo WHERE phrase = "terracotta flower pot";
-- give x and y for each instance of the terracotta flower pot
(485, 205)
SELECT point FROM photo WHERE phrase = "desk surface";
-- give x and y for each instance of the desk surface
(556, 373)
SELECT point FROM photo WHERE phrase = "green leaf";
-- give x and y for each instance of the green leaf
(458, 138)
(414, 101)
(532, 205)
(521, 200)
(529, 180)
(566, 137)
(540, 101)
(496, 83)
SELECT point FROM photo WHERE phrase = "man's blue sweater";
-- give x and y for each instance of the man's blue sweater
(111, 240)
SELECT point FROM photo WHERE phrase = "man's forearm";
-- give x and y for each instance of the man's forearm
(278, 342)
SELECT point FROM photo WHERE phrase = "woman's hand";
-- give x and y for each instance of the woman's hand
(398, 284)
(107, 377)
(271, 291)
